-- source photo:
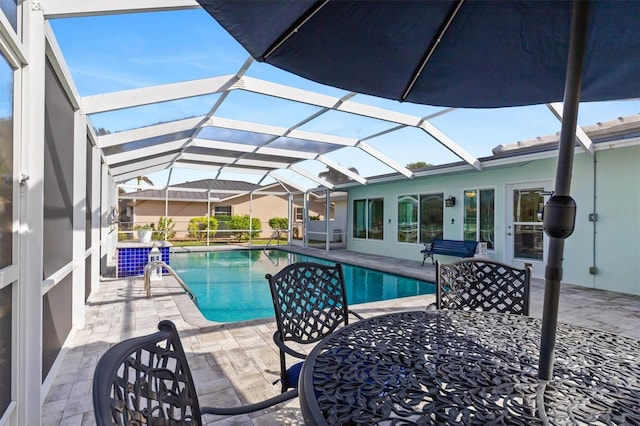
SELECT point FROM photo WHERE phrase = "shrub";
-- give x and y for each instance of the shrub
(223, 221)
(145, 227)
(165, 226)
(279, 223)
(198, 227)
(229, 224)
(241, 223)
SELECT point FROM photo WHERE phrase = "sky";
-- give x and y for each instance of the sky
(120, 52)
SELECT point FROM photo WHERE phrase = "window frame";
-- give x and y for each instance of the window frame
(365, 206)
(217, 213)
(420, 229)
(13, 252)
(14, 18)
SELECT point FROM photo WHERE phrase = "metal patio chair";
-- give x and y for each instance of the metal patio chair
(147, 380)
(310, 302)
(480, 284)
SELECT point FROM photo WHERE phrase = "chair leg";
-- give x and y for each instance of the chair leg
(284, 381)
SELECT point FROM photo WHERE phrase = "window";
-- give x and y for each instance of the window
(368, 219)
(375, 222)
(479, 217)
(298, 214)
(420, 215)
(6, 164)
(359, 219)
(6, 228)
(222, 211)
(10, 9)
(431, 217)
(408, 219)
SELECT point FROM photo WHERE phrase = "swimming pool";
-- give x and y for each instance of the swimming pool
(230, 285)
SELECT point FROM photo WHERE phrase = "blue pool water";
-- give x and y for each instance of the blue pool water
(230, 285)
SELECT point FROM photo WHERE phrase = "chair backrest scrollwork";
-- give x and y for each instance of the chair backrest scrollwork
(484, 285)
(309, 300)
(146, 380)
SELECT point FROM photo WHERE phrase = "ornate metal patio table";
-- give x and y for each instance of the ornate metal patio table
(460, 367)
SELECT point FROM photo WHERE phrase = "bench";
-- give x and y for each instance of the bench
(457, 248)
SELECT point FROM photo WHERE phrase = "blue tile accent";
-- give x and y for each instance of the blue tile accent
(131, 260)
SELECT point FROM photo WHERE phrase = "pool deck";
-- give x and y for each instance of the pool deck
(237, 363)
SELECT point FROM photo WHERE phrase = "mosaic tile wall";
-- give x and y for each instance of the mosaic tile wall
(131, 260)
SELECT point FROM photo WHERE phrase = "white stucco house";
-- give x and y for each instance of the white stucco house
(502, 206)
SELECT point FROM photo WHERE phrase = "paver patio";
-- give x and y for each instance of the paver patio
(237, 363)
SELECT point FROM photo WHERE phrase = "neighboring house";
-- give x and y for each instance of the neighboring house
(502, 206)
(217, 198)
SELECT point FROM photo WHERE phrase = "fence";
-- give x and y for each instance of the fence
(179, 232)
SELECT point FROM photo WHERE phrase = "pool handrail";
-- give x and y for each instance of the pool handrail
(157, 264)
(274, 234)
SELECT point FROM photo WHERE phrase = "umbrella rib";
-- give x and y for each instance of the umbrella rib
(432, 49)
(295, 27)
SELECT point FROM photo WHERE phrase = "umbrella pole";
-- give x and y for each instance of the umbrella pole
(559, 213)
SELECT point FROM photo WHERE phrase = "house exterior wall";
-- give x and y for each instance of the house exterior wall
(618, 225)
(149, 211)
(613, 246)
(340, 211)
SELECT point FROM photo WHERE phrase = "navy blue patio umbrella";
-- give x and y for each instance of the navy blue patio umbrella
(457, 53)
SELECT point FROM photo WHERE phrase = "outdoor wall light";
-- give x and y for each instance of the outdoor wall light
(450, 202)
